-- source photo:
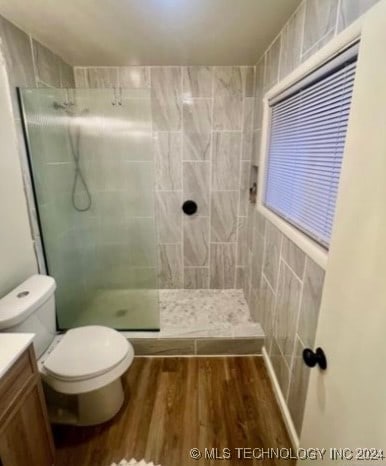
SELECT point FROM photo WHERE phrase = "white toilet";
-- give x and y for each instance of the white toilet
(81, 369)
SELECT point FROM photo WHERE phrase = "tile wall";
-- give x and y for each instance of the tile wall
(30, 64)
(202, 144)
(282, 285)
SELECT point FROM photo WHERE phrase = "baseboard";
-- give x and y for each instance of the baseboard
(281, 401)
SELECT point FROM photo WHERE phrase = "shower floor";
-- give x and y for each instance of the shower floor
(189, 315)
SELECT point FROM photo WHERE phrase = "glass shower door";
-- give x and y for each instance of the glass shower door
(92, 166)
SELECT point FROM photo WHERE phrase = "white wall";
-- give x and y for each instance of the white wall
(17, 257)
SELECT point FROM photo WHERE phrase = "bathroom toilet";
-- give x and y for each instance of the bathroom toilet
(82, 368)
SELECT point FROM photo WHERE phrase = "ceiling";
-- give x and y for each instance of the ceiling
(152, 32)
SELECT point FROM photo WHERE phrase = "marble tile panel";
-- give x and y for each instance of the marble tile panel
(229, 346)
(260, 222)
(224, 216)
(170, 263)
(47, 64)
(227, 113)
(254, 305)
(312, 296)
(196, 277)
(248, 114)
(228, 81)
(320, 20)
(196, 241)
(298, 387)
(166, 91)
(167, 152)
(247, 75)
(294, 256)
(249, 329)
(66, 75)
(318, 45)
(222, 265)
(272, 64)
(102, 77)
(196, 184)
(256, 147)
(197, 114)
(251, 225)
(287, 310)
(257, 260)
(197, 81)
(196, 145)
(134, 77)
(242, 252)
(162, 347)
(226, 161)
(281, 369)
(259, 92)
(196, 333)
(240, 277)
(247, 137)
(169, 216)
(266, 311)
(80, 76)
(272, 253)
(247, 278)
(17, 53)
(350, 10)
(244, 188)
(292, 42)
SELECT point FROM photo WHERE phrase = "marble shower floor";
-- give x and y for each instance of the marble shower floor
(206, 313)
(183, 313)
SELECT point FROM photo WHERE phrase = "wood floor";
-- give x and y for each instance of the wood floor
(175, 404)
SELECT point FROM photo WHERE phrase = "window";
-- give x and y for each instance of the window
(306, 142)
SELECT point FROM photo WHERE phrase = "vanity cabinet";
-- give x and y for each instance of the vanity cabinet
(25, 432)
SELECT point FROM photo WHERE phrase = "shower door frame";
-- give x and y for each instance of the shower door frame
(34, 213)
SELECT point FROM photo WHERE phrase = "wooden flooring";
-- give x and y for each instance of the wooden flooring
(175, 404)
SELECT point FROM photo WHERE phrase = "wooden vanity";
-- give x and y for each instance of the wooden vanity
(25, 432)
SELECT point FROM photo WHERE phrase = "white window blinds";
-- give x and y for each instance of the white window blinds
(306, 143)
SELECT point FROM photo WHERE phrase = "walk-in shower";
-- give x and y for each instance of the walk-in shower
(91, 160)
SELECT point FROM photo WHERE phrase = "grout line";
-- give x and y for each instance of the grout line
(213, 69)
(338, 8)
(34, 64)
(182, 175)
(291, 269)
(237, 259)
(292, 361)
(302, 32)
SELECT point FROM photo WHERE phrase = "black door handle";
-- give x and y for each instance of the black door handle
(312, 359)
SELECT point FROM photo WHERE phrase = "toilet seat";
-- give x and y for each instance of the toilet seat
(86, 352)
(86, 359)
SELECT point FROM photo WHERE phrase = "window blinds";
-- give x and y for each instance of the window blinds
(306, 143)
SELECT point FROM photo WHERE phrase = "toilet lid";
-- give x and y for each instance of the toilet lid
(87, 351)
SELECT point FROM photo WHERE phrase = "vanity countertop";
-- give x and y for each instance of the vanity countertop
(12, 346)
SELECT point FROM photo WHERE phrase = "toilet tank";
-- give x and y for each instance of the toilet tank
(30, 308)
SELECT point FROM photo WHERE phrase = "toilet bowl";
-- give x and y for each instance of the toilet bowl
(82, 368)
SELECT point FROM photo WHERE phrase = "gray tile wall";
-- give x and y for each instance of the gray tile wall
(202, 143)
(282, 285)
(30, 64)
